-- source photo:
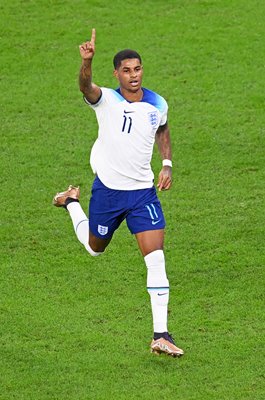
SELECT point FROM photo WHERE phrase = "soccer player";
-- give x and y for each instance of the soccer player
(130, 119)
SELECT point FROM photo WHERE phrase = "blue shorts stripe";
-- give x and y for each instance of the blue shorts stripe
(154, 209)
(150, 212)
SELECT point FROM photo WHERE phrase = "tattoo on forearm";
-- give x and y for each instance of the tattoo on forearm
(85, 77)
(163, 142)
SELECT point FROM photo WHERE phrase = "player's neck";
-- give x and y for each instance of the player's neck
(132, 96)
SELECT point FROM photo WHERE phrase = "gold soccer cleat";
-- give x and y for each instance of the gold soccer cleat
(167, 346)
(60, 198)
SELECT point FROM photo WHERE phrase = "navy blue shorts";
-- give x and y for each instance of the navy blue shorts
(108, 208)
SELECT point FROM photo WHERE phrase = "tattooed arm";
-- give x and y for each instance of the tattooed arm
(91, 91)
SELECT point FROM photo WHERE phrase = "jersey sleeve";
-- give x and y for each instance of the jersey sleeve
(94, 105)
(164, 114)
(108, 96)
(163, 108)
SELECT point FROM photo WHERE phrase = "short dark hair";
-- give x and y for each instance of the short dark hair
(123, 55)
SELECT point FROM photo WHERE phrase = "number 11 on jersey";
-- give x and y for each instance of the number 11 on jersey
(127, 124)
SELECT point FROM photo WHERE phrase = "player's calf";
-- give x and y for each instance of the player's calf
(69, 199)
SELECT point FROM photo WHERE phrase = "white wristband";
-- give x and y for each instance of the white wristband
(167, 163)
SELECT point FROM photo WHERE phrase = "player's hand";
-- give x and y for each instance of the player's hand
(87, 49)
(165, 178)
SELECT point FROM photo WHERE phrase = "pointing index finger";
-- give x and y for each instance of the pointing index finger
(93, 36)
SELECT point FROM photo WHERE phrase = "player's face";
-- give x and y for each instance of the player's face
(130, 74)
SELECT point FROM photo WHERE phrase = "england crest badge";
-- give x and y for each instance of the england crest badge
(103, 230)
(153, 118)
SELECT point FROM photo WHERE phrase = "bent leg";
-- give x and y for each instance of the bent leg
(95, 246)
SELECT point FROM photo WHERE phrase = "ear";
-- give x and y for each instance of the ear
(115, 73)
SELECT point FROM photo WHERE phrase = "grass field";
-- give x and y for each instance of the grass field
(78, 328)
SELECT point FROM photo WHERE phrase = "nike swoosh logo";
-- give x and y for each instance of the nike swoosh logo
(128, 112)
(155, 222)
(161, 294)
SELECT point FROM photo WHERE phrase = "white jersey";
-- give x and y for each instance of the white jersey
(122, 153)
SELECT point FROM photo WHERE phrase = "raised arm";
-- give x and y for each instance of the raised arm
(90, 90)
(164, 147)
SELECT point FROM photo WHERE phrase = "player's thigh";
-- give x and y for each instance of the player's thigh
(149, 241)
(146, 213)
(105, 216)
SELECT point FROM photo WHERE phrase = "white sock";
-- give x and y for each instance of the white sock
(81, 225)
(158, 289)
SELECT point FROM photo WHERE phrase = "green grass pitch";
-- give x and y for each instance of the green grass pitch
(77, 328)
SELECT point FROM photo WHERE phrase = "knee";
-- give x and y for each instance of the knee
(93, 252)
(156, 270)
